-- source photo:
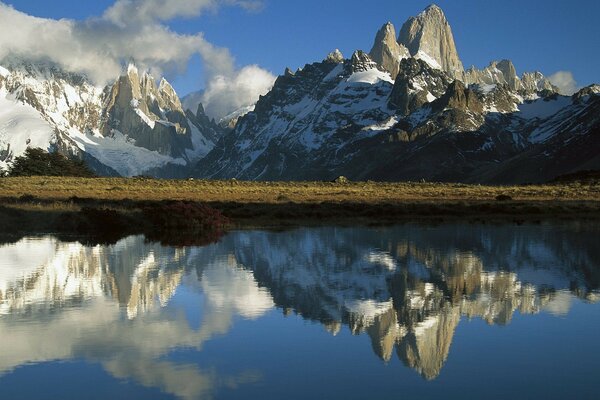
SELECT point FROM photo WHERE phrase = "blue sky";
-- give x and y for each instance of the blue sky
(548, 35)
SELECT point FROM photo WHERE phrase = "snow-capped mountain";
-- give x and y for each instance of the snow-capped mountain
(131, 127)
(408, 110)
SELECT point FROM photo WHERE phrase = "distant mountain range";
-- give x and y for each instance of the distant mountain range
(407, 110)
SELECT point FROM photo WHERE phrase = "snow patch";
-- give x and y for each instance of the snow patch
(421, 55)
(121, 153)
(543, 108)
(335, 73)
(371, 77)
(4, 72)
(21, 126)
(151, 123)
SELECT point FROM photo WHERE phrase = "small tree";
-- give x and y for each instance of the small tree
(37, 162)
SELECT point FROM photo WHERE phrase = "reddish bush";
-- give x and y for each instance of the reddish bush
(185, 215)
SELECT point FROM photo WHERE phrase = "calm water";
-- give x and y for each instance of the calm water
(412, 311)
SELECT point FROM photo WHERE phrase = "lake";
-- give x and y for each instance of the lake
(423, 311)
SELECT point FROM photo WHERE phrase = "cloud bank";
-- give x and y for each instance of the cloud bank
(564, 81)
(135, 30)
(225, 94)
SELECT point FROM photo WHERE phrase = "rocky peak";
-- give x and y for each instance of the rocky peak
(592, 90)
(288, 72)
(459, 97)
(150, 115)
(533, 82)
(510, 74)
(200, 111)
(429, 36)
(417, 84)
(386, 51)
(361, 61)
(168, 97)
(335, 57)
(497, 73)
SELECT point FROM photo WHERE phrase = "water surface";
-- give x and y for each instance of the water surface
(410, 311)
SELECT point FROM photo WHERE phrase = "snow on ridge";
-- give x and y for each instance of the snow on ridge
(4, 72)
(421, 55)
(120, 153)
(335, 73)
(22, 126)
(371, 76)
(150, 122)
(543, 108)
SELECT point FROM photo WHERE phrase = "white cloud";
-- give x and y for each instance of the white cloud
(128, 30)
(564, 81)
(226, 94)
(124, 11)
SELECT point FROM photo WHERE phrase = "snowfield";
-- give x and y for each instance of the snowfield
(21, 126)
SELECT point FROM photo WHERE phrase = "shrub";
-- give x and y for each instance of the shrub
(503, 197)
(185, 215)
(37, 162)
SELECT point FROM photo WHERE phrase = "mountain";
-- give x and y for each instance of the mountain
(428, 36)
(130, 127)
(408, 110)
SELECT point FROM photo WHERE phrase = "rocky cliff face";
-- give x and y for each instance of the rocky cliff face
(387, 52)
(428, 36)
(416, 85)
(504, 73)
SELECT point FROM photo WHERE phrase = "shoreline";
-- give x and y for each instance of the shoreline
(106, 208)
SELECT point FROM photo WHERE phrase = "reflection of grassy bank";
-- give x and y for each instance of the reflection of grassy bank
(125, 206)
(170, 222)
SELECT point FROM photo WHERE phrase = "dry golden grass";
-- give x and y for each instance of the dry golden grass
(53, 188)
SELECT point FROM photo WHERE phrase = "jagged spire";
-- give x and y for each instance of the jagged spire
(386, 51)
(428, 36)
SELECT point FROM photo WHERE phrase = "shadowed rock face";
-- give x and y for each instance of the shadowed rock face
(430, 33)
(387, 52)
(458, 97)
(417, 84)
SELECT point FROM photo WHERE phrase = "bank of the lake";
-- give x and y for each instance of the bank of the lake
(139, 205)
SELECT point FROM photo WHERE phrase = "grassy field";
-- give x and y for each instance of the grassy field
(52, 188)
(43, 204)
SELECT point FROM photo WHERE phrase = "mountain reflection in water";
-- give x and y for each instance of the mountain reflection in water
(406, 287)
